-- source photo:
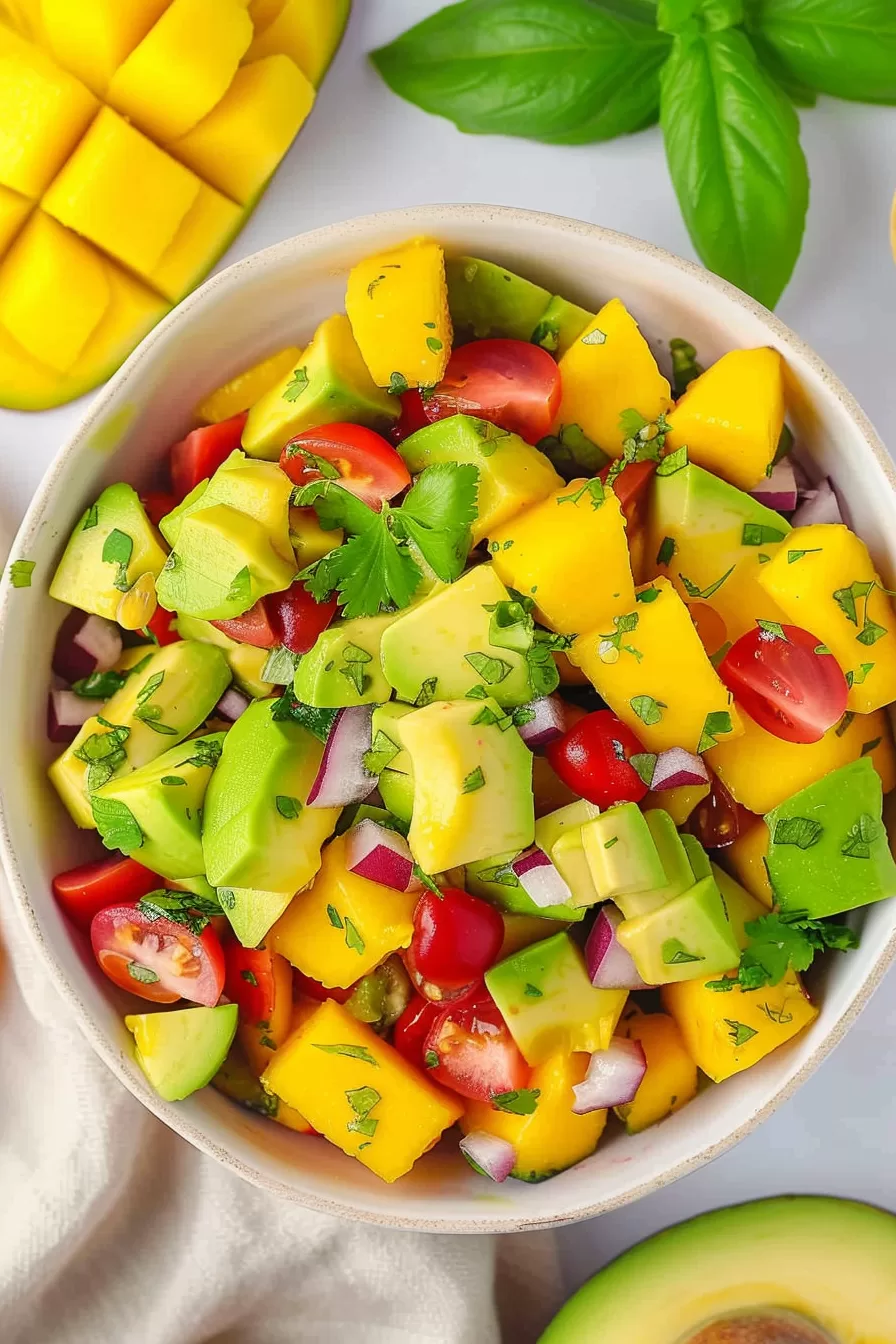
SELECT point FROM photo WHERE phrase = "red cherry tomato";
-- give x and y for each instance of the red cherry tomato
(249, 980)
(157, 503)
(632, 489)
(201, 453)
(783, 682)
(593, 760)
(718, 820)
(313, 989)
(457, 937)
(413, 416)
(368, 466)
(162, 626)
(297, 618)
(511, 383)
(413, 1027)
(158, 959)
(477, 1056)
(254, 627)
(84, 891)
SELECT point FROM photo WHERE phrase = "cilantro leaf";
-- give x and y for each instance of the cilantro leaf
(373, 572)
(780, 942)
(522, 1101)
(117, 825)
(20, 572)
(437, 514)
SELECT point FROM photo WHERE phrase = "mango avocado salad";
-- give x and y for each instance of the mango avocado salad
(485, 731)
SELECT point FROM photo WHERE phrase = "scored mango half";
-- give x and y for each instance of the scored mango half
(134, 140)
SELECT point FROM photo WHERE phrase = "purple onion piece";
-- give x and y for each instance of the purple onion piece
(540, 880)
(677, 768)
(67, 713)
(342, 778)
(613, 1078)
(778, 491)
(610, 966)
(494, 1157)
(547, 724)
(818, 506)
(380, 855)
(232, 704)
(85, 644)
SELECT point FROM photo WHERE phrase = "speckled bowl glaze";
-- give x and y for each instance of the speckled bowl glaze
(260, 304)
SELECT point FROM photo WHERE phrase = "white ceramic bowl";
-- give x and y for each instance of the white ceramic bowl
(260, 304)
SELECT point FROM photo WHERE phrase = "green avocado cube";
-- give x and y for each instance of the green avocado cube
(259, 489)
(487, 300)
(560, 326)
(697, 857)
(549, 1004)
(559, 835)
(673, 856)
(495, 882)
(397, 792)
(387, 745)
(245, 661)
(828, 848)
(181, 1051)
(112, 544)
(345, 667)
(686, 939)
(252, 913)
(621, 853)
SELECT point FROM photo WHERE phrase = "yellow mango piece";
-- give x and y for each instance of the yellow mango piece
(825, 580)
(679, 803)
(43, 114)
(670, 695)
(182, 68)
(552, 1138)
(207, 229)
(746, 860)
(307, 31)
(731, 417)
(14, 210)
(239, 144)
(123, 193)
(342, 926)
(760, 770)
(260, 1040)
(309, 540)
(671, 1078)
(239, 393)
(23, 15)
(371, 1102)
(565, 534)
(54, 290)
(264, 12)
(237, 1080)
(607, 370)
(397, 303)
(91, 38)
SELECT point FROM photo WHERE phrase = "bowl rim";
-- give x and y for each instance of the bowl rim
(424, 218)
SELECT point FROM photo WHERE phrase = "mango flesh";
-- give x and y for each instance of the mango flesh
(307, 32)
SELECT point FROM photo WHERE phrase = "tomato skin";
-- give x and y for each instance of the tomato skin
(784, 685)
(477, 1055)
(413, 1027)
(632, 489)
(157, 504)
(297, 619)
(201, 453)
(368, 466)
(257, 1001)
(187, 965)
(161, 626)
(86, 890)
(718, 820)
(593, 760)
(253, 627)
(413, 416)
(313, 989)
(457, 937)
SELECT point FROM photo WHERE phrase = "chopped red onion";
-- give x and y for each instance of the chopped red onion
(613, 1078)
(342, 778)
(85, 644)
(380, 855)
(778, 491)
(540, 880)
(548, 721)
(67, 712)
(232, 704)
(677, 768)
(818, 506)
(609, 965)
(494, 1157)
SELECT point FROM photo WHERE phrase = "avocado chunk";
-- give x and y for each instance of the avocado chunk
(549, 1003)
(828, 848)
(833, 1257)
(443, 647)
(256, 830)
(559, 835)
(166, 697)
(572, 453)
(259, 489)
(182, 1051)
(673, 855)
(158, 808)
(688, 938)
(344, 667)
(621, 853)
(512, 474)
(560, 326)
(389, 759)
(472, 784)
(331, 384)
(397, 792)
(486, 300)
(112, 545)
(495, 882)
(697, 857)
(252, 913)
(245, 661)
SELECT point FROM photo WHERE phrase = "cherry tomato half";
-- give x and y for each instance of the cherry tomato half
(511, 383)
(593, 760)
(254, 627)
(313, 989)
(162, 626)
(786, 681)
(297, 618)
(84, 891)
(718, 820)
(477, 1056)
(457, 937)
(201, 453)
(158, 959)
(157, 504)
(254, 981)
(413, 1027)
(368, 466)
(632, 489)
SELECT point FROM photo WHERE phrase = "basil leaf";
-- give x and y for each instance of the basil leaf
(732, 141)
(566, 72)
(845, 48)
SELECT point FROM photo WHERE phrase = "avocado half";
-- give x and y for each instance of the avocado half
(795, 1270)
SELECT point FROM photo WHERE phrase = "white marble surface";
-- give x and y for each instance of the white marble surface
(365, 150)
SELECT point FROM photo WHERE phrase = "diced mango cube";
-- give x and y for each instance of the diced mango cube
(397, 303)
(208, 227)
(182, 68)
(671, 1078)
(731, 417)
(343, 926)
(237, 146)
(14, 210)
(746, 858)
(825, 580)
(573, 531)
(24, 15)
(91, 38)
(607, 370)
(655, 674)
(240, 392)
(43, 114)
(360, 1092)
(123, 193)
(264, 12)
(307, 31)
(54, 291)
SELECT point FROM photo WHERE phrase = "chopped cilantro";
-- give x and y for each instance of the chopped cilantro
(289, 808)
(474, 781)
(644, 764)
(398, 385)
(91, 518)
(382, 751)
(240, 589)
(780, 942)
(317, 721)
(491, 670)
(353, 939)
(334, 917)
(860, 837)
(431, 1059)
(676, 954)
(433, 344)
(684, 365)
(647, 595)
(673, 462)
(844, 723)
(173, 780)
(521, 1101)
(427, 693)
(362, 1101)
(117, 550)
(692, 589)
(868, 747)
(296, 385)
(857, 677)
(594, 337)
(803, 832)
(793, 556)
(250, 978)
(648, 710)
(117, 825)
(20, 572)
(759, 534)
(666, 551)
(350, 1051)
(739, 1033)
(715, 725)
(773, 628)
(100, 685)
(533, 992)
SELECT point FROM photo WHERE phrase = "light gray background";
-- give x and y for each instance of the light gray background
(366, 150)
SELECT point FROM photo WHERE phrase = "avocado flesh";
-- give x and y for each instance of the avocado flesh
(83, 578)
(397, 792)
(559, 835)
(688, 938)
(486, 300)
(344, 666)
(251, 912)
(492, 880)
(245, 661)
(830, 1261)
(259, 489)
(560, 326)
(677, 871)
(182, 1051)
(223, 563)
